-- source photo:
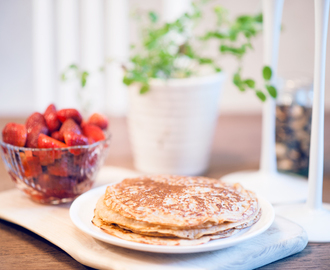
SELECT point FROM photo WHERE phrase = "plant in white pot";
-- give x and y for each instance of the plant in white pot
(175, 89)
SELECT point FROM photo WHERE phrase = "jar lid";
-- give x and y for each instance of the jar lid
(295, 90)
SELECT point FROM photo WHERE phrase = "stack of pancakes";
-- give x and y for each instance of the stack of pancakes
(175, 210)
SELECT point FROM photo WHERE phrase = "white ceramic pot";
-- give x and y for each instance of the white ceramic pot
(171, 127)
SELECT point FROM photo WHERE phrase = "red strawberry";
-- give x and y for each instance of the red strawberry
(45, 141)
(61, 187)
(45, 157)
(31, 165)
(99, 120)
(59, 168)
(69, 125)
(65, 114)
(51, 118)
(44, 181)
(57, 136)
(35, 119)
(90, 140)
(93, 132)
(14, 134)
(35, 124)
(74, 139)
(33, 135)
(83, 123)
(64, 167)
(54, 186)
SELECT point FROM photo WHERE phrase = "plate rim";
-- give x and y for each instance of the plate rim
(98, 234)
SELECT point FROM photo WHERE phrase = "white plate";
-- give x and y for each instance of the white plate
(82, 212)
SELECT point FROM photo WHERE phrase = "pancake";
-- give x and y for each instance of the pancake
(175, 210)
(110, 217)
(180, 202)
(154, 240)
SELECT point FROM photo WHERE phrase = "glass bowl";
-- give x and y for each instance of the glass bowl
(54, 175)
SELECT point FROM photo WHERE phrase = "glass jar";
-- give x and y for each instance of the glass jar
(293, 124)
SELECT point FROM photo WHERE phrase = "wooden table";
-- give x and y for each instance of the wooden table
(236, 147)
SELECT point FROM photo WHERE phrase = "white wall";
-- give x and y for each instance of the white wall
(15, 57)
(296, 52)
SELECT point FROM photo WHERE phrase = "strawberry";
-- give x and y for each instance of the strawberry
(69, 126)
(44, 181)
(50, 116)
(35, 119)
(73, 139)
(33, 135)
(59, 168)
(14, 134)
(65, 114)
(83, 123)
(79, 159)
(64, 167)
(45, 141)
(98, 120)
(57, 136)
(45, 157)
(90, 140)
(54, 186)
(26, 153)
(62, 187)
(35, 125)
(93, 132)
(31, 166)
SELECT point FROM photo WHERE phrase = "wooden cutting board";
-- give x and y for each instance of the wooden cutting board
(53, 223)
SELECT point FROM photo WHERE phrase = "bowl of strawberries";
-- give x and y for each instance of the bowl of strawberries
(55, 156)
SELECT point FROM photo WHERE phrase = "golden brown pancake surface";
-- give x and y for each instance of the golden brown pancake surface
(180, 201)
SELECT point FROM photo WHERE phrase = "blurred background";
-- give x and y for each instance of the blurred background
(41, 38)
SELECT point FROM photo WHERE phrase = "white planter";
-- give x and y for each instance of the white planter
(171, 127)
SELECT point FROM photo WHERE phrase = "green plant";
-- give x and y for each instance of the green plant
(73, 71)
(235, 39)
(173, 50)
(168, 50)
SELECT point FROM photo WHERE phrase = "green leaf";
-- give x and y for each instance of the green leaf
(153, 17)
(240, 51)
(144, 89)
(243, 19)
(63, 77)
(250, 83)
(127, 81)
(219, 35)
(139, 76)
(84, 76)
(261, 95)
(241, 88)
(267, 73)
(258, 18)
(271, 90)
(237, 79)
(217, 69)
(73, 66)
(205, 61)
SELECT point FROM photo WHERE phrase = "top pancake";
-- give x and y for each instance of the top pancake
(182, 202)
